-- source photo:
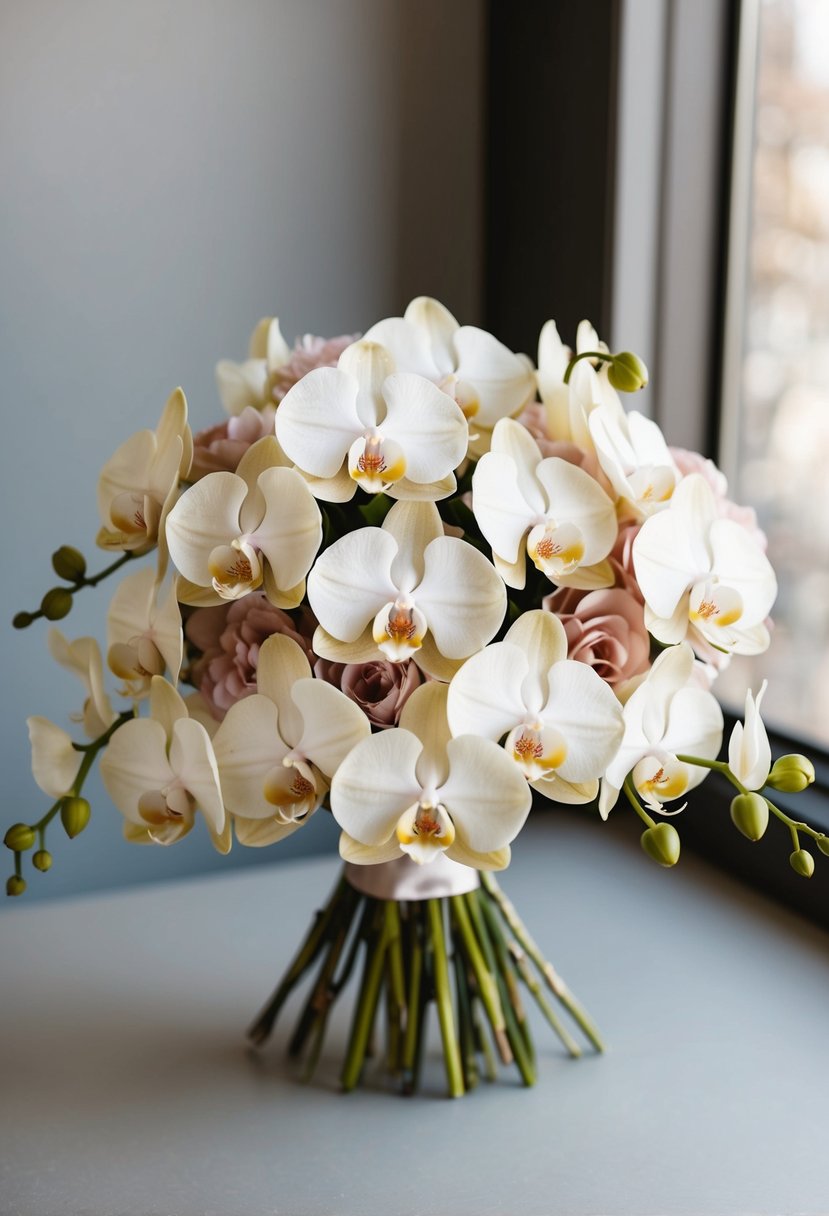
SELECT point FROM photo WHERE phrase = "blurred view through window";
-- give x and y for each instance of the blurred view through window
(781, 457)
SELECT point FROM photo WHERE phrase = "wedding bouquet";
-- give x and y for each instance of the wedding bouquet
(414, 581)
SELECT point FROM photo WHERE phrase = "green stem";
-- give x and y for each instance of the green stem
(517, 1030)
(414, 1003)
(443, 996)
(91, 581)
(603, 355)
(465, 1024)
(366, 1009)
(548, 972)
(534, 984)
(487, 987)
(630, 794)
(720, 766)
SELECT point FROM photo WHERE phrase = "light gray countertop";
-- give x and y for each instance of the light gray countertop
(126, 1089)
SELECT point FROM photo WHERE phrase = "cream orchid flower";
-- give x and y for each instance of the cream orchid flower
(416, 790)
(278, 749)
(486, 379)
(568, 406)
(547, 508)
(250, 384)
(83, 658)
(405, 590)
(703, 576)
(138, 483)
(563, 725)
(55, 760)
(666, 716)
(144, 636)
(159, 770)
(232, 533)
(634, 458)
(749, 750)
(363, 424)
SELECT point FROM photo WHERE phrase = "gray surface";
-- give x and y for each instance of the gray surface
(171, 173)
(126, 1090)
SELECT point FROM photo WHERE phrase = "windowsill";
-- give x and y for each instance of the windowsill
(126, 1085)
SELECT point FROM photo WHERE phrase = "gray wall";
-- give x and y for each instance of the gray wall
(172, 172)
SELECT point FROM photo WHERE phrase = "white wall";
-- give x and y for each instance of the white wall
(172, 172)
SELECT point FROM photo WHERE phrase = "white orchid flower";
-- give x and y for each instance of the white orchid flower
(415, 790)
(55, 760)
(563, 725)
(547, 508)
(232, 533)
(634, 458)
(278, 749)
(702, 575)
(250, 383)
(486, 379)
(361, 423)
(159, 770)
(144, 635)
(83, 658)
(749, 750)
(568, 406)
(137, 484)
(668, 715)
(405, 591)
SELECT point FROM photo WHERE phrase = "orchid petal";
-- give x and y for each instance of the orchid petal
(413, 526)
(427, 423)
(368, 854)
(258, 833)
(439, 327)
(510, 438)
(496, 859)
(242, 384)
(55, 762)
(485, 697)
(740, 563)
(749, 751)
(408, 345)
(424, 714)
(135, 761)
(462, 595)
(361, 650)
(166, 705)
(332, 724)
(281, 663)
(541, 638)
(317, 420)
(670, 551)
(502, 380)
(247, 746)
(485, 794)
(351, 582)
(375, 783)
(577, 498)
(571, 793)
(291, 530)
(192, 758)
(206, 516)
(583, 708)
(369, 365)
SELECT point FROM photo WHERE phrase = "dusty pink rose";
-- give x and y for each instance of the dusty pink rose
(221, 447)
(380, 688)
(309, 352)
(229, 637)
(692, 462)
(605, 629)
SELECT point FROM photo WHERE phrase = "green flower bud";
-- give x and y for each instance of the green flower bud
(42, 860)
(627, 372)
(15, 885)
(661, 843)
(19, 838)
(22, 620)
(56, 603)
(791, 774)
(69, 563)
(802, 863)
(750, 815)
(822, 843)
(74, 815)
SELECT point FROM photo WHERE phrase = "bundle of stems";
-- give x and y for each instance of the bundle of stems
(470, 955)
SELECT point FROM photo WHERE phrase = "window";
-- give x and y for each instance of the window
(775, 409)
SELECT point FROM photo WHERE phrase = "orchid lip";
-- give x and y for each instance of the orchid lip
(399, 629)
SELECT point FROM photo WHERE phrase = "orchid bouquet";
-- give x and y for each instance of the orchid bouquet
(416, 581)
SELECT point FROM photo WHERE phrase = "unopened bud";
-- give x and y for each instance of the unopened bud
(803, 863)
(791, 774)
(19, 838)
(22, 620)
(15, 885)
(42, 860)
(822, 843)
(74, 815)
(750, 815)
(627, 372)
(56, 604)
(661, 843)
(69, 563)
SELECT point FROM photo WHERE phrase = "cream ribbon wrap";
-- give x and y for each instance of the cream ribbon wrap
(405, 879)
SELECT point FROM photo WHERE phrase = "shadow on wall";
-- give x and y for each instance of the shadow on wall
(172, 173)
